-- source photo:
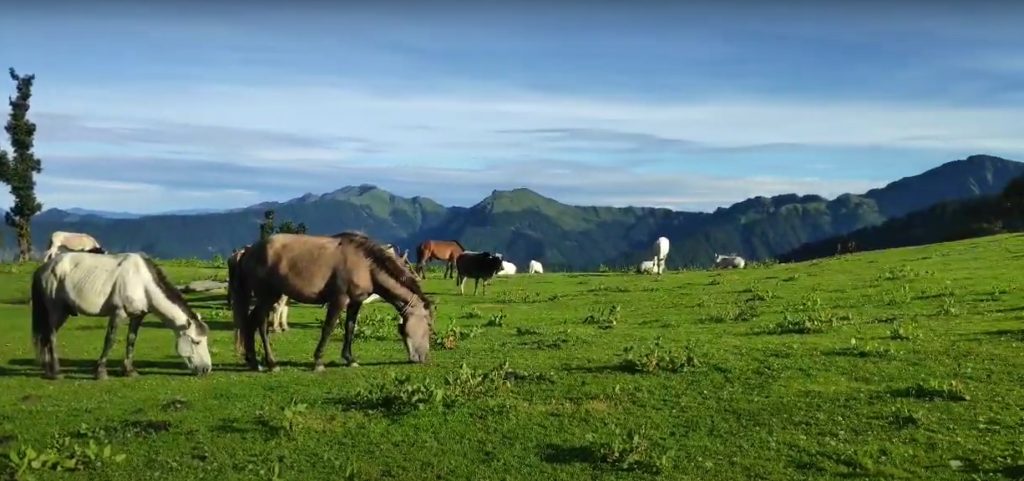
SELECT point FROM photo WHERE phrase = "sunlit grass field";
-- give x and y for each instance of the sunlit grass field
(903, 364)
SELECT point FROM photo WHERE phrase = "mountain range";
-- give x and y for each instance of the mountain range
(524, 225)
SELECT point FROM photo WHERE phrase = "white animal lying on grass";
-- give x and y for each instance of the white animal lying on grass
(645, 267)
(507, 269)
(729, 262)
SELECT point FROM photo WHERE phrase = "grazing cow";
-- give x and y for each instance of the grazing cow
(476, 265)
(507, 269)
(660, 252)
(72, 241)
(536, 268)
(729, 262)
(645, 267)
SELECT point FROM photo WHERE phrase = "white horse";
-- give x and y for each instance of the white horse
(536, 267)
(645, 267)
(123, 287)
(72, 241)
(507, 269)
(729, 262)
(660, 252)
(279, 315)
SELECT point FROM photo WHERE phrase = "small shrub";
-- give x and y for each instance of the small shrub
(528, 331)
(284, 420)
(948, 307)
(629, 450)
(654, 357)
(897, 296)
(605, 318)
(472, 313)
(453, 335)
(518, 296)
(903, 332)
(377, 326)
(936, 391)
(813, 323)
(496, 320)
(61, 455)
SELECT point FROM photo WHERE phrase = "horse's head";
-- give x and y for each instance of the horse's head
(193, 348)
(416, 327)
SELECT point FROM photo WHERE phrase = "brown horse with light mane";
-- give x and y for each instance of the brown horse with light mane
(442, 250)
(341, 271)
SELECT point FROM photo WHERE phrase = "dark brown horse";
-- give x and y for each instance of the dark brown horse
(443, 250)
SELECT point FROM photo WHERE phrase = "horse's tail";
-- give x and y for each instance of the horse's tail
(42, 328)
(240, 294)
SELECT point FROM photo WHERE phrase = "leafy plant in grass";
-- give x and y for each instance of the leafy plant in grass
(403, 394)
(528, 331)
(377, 326)
(496, 320)
(655, 357)
(518, 296)
(948, 307)
(629, 450)
(285, 419)
(815, 322)
(897, 296)
(746, 312)
(472, 313)
(936, 391)
(902, 417)
(453, 335)
(61, 455)
(760, 295)
(604, 318)
(901, 331)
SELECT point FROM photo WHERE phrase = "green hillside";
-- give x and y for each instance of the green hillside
(900, 364)
(525, 225)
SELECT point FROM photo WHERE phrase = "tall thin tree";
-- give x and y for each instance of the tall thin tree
(17, 170)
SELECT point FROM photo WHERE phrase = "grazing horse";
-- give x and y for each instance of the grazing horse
(72, 241)
(536, 267)
(729, 262)
(341, 271)
(123, 287)
(660, 252)
(442, 250)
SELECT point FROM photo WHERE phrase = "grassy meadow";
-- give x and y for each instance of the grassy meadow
(901, 364)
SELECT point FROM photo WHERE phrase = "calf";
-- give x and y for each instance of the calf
(476, 265)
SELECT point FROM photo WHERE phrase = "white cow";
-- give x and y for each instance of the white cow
(645, 267)
(660, 253)
(536, 268)
(507, 269)
(729, 262)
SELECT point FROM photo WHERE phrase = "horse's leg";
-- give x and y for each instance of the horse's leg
(53, 366)
(134, 323)
(476, 285)
(268, 355)
(350, 330)
(284, 314)
(257, 320)
(330, 321)
(108, 344)
(462, 285)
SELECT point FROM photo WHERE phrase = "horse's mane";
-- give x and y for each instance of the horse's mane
(389, 264)
(458, 244)
(172, 293)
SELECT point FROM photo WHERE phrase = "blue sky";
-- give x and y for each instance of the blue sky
(181, 105)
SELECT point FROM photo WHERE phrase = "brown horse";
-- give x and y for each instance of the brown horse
(442, 250)
(341, 271)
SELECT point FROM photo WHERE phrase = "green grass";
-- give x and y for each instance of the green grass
(903, 364)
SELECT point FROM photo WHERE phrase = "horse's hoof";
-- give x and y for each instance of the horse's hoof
(101, 375)
(319, 367)
(131, 373)
(274, 368)
(352, 364)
